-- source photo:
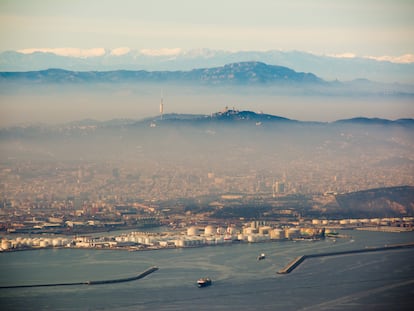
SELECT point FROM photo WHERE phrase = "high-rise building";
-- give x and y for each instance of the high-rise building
(278, 188)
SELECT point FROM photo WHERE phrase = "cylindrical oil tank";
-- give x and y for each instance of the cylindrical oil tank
(231, 230)
(192, 231)
(44, 243)
(179, 243)
(251, 238)
(57, 242)
(6, 244)
(221, 230)
(209, 230)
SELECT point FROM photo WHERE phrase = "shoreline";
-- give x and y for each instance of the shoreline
(93, 243)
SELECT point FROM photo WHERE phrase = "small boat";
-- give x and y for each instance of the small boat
(203, 282)
(261, 256)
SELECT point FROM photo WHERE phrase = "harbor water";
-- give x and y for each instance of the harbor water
(367, 281)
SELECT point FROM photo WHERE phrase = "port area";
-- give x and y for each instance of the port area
(292, 265)
(123, 280)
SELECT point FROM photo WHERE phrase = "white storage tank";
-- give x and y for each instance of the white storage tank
(221, 230)
(15, 244)
(231, 230)
(29, 242)
(209, 230)
(56, 242)
(228, 238)
(251, 238)
(179, 243)
(44, 243)
(6, 244)
(192, 231)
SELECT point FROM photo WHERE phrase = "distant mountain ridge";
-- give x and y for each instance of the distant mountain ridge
(235, 73)
(326, 67)
(227, 116)
(378, 121)
(282, 79)
(233, 115)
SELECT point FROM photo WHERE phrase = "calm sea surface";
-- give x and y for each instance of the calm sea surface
(371, 281)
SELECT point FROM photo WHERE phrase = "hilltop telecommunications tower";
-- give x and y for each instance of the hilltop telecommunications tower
(162, 106)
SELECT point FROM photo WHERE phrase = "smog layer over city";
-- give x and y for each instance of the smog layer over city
(217, 156)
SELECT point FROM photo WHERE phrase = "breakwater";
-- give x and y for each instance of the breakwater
(292, 265)
(137, 277)
(123, 280)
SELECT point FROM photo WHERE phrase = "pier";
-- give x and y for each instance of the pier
(123, 280)
(298, 260)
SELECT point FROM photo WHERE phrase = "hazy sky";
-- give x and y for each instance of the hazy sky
(361, 27)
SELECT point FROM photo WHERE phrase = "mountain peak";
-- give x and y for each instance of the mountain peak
(255, 72)
(234, 114)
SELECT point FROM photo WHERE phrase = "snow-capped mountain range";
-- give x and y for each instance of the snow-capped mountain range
(342, 67)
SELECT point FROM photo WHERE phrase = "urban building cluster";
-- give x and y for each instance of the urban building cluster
(51, 195)
(158, 177)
